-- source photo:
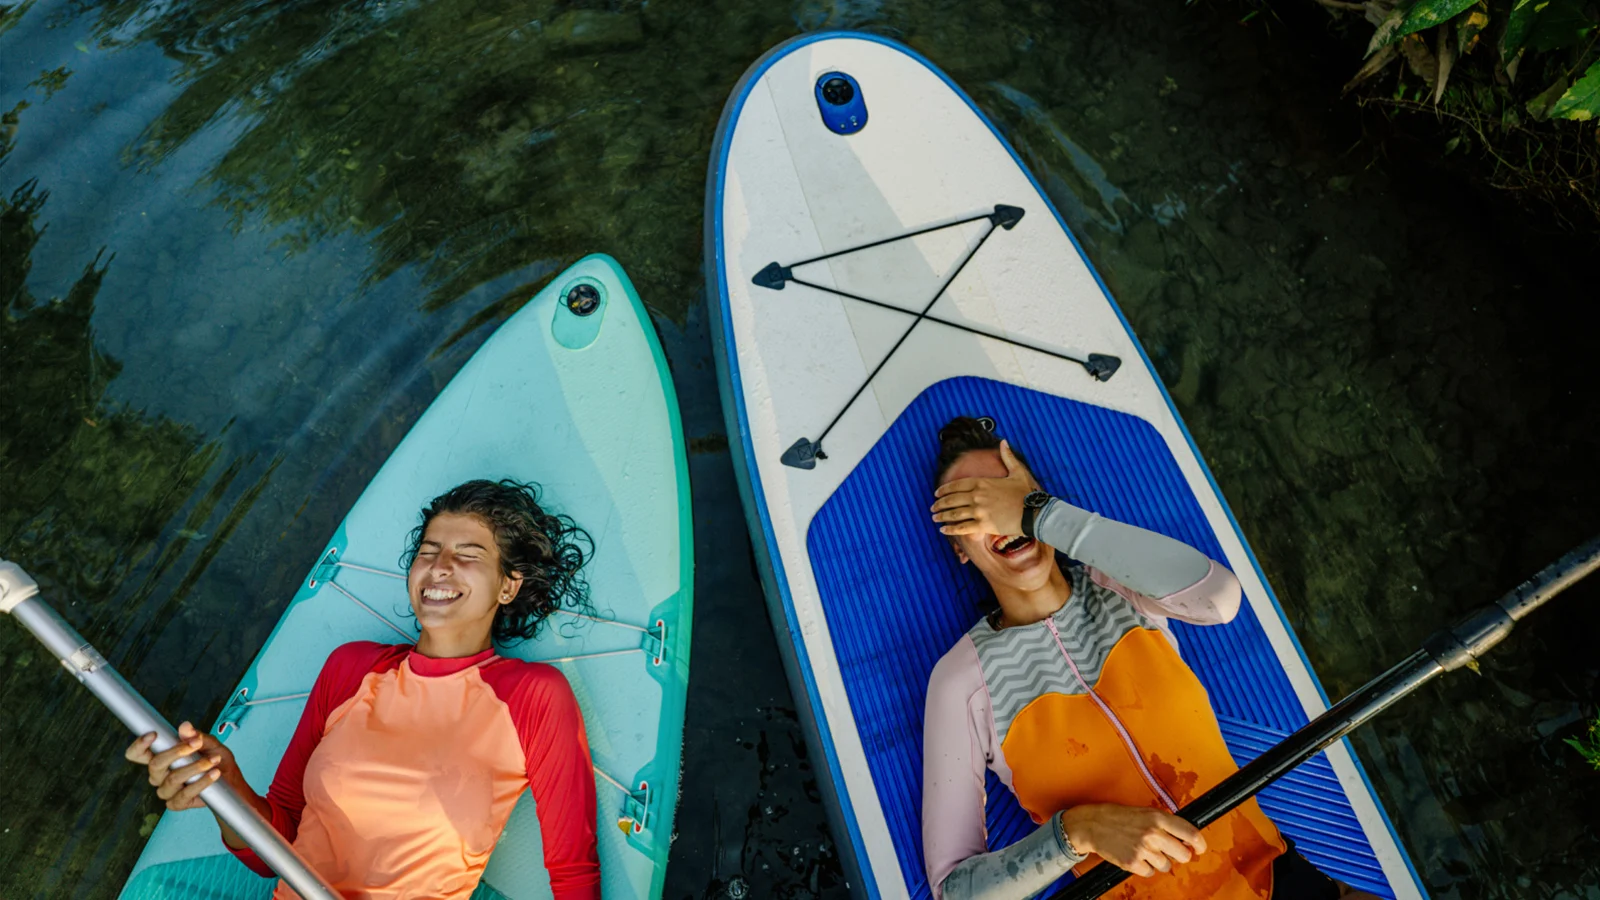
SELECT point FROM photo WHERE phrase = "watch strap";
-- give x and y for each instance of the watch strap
(1031, 508)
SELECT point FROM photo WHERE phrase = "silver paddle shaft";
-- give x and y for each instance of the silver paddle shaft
(19, 596)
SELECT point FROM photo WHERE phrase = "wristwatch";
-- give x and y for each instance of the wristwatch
(1031, 505)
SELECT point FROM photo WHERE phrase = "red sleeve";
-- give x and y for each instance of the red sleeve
(560, 772)
(340, 677)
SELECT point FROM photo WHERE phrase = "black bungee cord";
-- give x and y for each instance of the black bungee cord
(804, 453)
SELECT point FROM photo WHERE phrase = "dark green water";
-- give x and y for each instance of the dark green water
(242, 246)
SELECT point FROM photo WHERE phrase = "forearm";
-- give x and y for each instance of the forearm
(1150, 563)
(1020, 870)
(256, 802)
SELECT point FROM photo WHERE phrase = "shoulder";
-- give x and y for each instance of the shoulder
(347, 665)
(957, 675)
(522, 682)
(361, 657)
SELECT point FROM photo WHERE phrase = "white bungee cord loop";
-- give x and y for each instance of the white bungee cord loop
(233, 714)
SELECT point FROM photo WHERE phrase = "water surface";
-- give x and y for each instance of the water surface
(243, 245)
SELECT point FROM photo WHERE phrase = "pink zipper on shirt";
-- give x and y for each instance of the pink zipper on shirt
(1127, 739)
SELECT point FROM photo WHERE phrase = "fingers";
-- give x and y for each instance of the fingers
(1183, 831)
(1141, 868)
(1167, 847)
(176, 783)
(953, 501)
(139, 750)
(188, 796)
(1009, 458)
(161, 763)
(957, 486)
(1154, 861)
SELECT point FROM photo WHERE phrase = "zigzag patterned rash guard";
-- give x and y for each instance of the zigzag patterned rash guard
(1090, 705)
(404, 769)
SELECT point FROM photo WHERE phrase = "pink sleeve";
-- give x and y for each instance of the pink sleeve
(560, 773)
(340, 677)
(955, 751)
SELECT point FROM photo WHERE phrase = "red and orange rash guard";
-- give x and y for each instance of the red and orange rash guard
(404, 769)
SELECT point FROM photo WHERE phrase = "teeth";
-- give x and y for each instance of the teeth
(439, 594)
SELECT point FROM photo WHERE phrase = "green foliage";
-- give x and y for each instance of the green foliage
(1527, 111)
(1518, 21)
(1428, 13)
(1469, 26)
(1560, 24)
(1588, 746)
(1581, 102)
(1539, 106)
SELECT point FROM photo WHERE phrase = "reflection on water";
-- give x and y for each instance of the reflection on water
(242, 245)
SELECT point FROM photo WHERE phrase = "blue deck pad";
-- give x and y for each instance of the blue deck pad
(896, 599)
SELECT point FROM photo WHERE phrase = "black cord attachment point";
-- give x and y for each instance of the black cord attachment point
(773, 276)
(1006, 217)
(804, 454)
(1102, 367)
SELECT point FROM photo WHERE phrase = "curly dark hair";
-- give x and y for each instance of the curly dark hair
(962, 435)
(545, 548)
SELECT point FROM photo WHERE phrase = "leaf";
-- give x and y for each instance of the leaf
(1428, 13)
(1563, 23)
(1513, 66)
(1582, 101)
(1517, 24)
(1420, 58)
(1539, 107)
(1388, 31)
(1470, 26)
(1445, 50)
(1375, 64)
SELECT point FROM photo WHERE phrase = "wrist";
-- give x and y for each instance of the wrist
(1072, 833)
(1032, 505)
(1069, 833)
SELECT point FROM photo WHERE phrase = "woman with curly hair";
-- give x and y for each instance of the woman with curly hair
(408, 759)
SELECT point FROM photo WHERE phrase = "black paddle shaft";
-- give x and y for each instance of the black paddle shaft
(1447, 650)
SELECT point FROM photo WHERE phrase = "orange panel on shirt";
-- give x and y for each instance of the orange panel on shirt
(410, 787)
(1064, 752)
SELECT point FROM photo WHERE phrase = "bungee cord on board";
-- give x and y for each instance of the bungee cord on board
(805, 452)
(635, 817)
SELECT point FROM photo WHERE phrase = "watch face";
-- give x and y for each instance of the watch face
(1037, 499)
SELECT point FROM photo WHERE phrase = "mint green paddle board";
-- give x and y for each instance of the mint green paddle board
(583, 405)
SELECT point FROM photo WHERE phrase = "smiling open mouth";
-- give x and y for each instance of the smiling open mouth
(1011, 546)
(439, 596)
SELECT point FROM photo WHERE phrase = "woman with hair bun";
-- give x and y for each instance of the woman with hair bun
(408, 759)
(1073, 693)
